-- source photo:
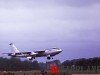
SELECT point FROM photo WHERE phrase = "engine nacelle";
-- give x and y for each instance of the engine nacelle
(33, 53)
(13, 54)
(29, 58)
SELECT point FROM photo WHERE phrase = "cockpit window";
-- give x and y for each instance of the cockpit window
(55, 48)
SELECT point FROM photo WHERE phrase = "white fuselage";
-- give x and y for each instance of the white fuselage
(30, 55)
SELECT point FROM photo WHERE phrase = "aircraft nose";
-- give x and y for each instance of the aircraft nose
(60, 50)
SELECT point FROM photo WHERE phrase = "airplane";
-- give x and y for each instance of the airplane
(49, 53)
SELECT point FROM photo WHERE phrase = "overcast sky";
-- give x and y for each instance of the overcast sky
(72, 25)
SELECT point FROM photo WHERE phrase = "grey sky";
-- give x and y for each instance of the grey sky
(72, 25)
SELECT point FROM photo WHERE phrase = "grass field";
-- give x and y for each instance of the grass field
(47, 73)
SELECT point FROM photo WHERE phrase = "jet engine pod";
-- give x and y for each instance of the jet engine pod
(13, 54)
(33, 53)
(29, 58)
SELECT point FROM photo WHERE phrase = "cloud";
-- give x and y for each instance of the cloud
(68, 22)
(78, 3)
(43, 24)
(45, 3)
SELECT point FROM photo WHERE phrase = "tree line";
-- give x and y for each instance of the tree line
(15, 64)
(83, 62)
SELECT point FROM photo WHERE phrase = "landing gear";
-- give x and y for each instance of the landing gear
(48, 58)
(31, 58)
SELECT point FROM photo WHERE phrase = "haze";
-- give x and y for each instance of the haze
(72, 25)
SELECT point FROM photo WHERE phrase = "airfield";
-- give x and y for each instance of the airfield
(47, 73)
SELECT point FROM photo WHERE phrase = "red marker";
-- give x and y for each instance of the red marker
(54, 69)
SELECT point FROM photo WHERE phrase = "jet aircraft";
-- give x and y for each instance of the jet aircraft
(49, 53)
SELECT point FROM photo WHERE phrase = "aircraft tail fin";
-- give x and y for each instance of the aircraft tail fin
(13, 48)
